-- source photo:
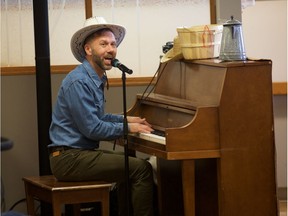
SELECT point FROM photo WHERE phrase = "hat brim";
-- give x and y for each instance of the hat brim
(171, 56)
(77, 40)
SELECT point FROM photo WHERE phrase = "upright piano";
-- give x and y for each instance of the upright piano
(215, 138)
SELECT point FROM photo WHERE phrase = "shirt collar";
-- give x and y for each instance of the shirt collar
(94, 76)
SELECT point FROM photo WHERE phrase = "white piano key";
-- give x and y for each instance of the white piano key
(151, 137)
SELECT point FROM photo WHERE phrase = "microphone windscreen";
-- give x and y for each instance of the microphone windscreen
(115, 62)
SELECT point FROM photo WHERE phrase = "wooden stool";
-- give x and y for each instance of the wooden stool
(49, 189)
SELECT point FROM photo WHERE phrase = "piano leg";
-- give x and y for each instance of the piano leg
(176, 187)
(188, 184)
(187, 187)
(170, 198)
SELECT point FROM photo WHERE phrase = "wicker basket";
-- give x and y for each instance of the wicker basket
(200, 42)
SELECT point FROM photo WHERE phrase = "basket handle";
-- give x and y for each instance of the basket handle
(210, 33)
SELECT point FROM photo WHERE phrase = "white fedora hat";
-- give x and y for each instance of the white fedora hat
(92, 25)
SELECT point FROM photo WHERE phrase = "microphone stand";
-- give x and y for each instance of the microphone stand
(126, 150)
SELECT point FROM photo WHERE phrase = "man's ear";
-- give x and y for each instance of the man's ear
(87, 49)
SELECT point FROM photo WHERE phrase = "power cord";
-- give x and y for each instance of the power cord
(15, 204)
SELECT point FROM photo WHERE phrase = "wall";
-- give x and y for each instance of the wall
(280, 123)
(149, 23)
(266, 36)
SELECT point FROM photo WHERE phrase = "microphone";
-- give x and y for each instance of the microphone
(120, 66)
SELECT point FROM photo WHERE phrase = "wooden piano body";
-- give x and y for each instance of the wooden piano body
(219, 154)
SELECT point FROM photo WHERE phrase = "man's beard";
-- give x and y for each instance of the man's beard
(100, 62)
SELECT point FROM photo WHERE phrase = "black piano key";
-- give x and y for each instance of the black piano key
(159, 133)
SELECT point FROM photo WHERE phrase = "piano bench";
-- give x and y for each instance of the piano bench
(49, 189)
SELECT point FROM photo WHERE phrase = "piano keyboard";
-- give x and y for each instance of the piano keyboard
(153, 137)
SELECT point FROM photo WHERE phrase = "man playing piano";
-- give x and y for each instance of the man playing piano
(79, 122)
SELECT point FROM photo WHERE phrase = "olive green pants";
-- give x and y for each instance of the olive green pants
(83, 165)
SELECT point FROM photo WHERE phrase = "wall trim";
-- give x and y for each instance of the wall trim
(279, 88)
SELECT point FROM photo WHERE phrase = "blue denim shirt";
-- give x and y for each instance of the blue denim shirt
(78, 118)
